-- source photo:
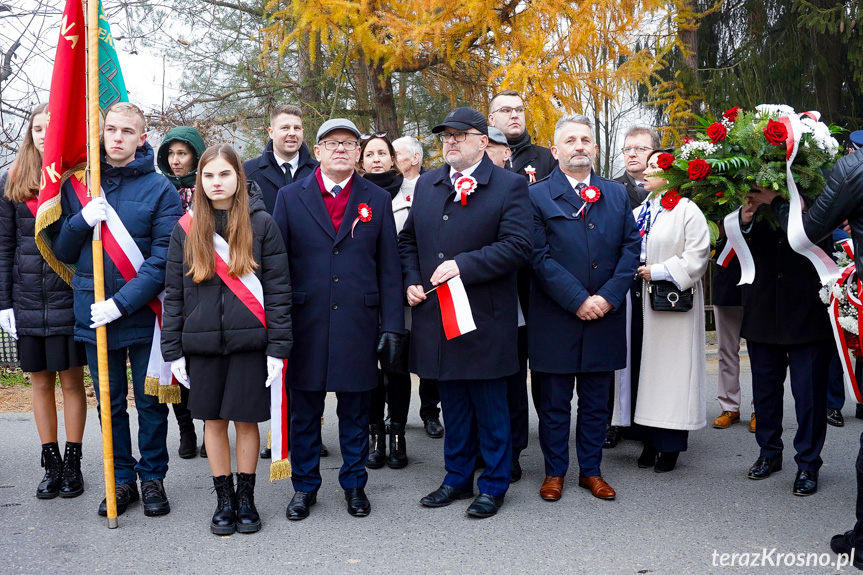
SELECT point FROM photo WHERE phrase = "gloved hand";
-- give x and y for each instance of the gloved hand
(95, 211)
(7, 322)
(389, 348)
(104, 312)
(275, 369)
(178, 368)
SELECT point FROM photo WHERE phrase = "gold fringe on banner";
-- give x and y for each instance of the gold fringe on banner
(151, 386)
(280, 469)
(169, 394)
(270, 439)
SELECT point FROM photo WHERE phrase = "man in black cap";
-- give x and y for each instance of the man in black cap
(471, 220)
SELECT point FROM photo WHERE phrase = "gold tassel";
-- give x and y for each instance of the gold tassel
(270, 439)
(169, 394)
(151, 386)
(280, 469)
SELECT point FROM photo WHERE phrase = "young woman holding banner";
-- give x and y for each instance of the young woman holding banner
(227, 326)
(36, 310)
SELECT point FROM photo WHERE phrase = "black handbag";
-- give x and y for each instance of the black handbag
(664, 296)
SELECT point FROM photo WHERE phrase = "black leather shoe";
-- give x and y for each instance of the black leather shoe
(666, 462)
(300, 503)
(398, 457)
(188, 445)
(224, 520)
(805, 483)
(612, 437)
(324, 450)
(515, 472)
(126, 493)
(444, 495)
(377, 447)
(843, 544)
(266, 453)
(73, 482)
(764, 466)
(358, 503)
(484, 505)
(154, 499)
(834, 417)
(648, 457)
(49, 487)
(433, 427)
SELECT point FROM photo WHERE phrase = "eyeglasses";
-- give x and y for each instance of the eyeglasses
(371, 135)
(507, 111)
(636, 149)
(348, 145)
(457, 136)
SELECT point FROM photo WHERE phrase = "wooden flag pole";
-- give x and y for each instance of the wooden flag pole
(95, 185)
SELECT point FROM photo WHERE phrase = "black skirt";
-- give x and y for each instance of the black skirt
(231, 387)
(51, 353)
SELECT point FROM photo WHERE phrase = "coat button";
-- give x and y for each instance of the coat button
(335, 279)
(590, 226)
(336, 251)
(440, 256)
(446, 217)
(594, 265)
(779, 276)
(335, 306)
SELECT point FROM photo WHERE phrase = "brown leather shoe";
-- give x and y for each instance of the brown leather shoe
(597, 486)
(752, 423)
(552, 488)
(726, 419)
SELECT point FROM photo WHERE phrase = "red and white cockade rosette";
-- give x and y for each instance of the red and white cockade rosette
(465, 186)
(843, 288)
(589, 195)
(364, 214)
(531, 174)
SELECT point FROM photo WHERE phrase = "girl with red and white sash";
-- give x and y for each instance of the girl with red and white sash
(226, 327)
(36, 310)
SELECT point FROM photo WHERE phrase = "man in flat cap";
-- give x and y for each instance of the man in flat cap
(347, 305)
(470, 220)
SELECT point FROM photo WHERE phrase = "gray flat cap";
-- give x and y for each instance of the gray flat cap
(337, 124)
(496, 136)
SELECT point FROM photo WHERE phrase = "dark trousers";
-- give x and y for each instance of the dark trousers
(836, 383)
(394, 390)
(152, 415)
(636, 338)
(516, 397)
(555, 420)
(429, 399)
(662, 439)
(307, 408)
(474, 409)
(809, 365)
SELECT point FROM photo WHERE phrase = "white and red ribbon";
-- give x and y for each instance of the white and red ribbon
(455, 309)
(364, 214)
(851, 383)
(736, 245)
(464, 186)
(531, 174)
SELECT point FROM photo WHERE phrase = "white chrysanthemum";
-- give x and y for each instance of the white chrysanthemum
(838, 291)
(824, 294)
(775, 110)
(849, 324)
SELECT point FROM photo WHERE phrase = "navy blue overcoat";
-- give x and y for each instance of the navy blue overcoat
(574, 258)
(346, 289)
(489, 239)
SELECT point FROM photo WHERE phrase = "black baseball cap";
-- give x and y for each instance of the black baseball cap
(463, 119)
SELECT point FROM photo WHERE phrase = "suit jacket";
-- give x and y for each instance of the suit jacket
(574, 258)
(636, 193)
(266, 172)
(346, 288)
(489, 239)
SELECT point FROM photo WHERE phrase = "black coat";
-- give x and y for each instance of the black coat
(724, 290)
(41, 300)
(266, 172)
(489, 239)
(782, 305)
(532, 155)
(636, 193)
(207, 318)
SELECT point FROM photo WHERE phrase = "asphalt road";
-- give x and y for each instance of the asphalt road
(676, 523)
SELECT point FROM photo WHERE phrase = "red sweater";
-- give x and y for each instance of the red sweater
(336, 206)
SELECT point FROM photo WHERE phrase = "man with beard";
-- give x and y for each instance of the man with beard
(586, 249)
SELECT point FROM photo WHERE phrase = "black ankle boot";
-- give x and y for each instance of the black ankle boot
(647, 457)
(377, 447)
(225, 518)
(72, 484)
(248, 520)
(49, 488)
(398, 456)
(666, 462)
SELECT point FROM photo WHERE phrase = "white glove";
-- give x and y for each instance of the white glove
(95, 211)
(178, 368)
(275, 367)
(104, 312)
(7, 322)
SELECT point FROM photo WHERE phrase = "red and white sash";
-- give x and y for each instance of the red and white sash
(250, 292)
(128, 259)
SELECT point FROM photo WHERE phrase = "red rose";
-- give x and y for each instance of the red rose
(719, 194)
(665, 161)
(731, 115)
(698, 169)
(688, 140)
(716, 132)
(775, 132)
(670, 199)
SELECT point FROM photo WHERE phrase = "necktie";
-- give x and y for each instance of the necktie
(640, 185)
(286, 167)
(455, 177)
(580, 186)
(335, 191)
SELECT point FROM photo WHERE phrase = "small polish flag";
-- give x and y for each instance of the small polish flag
(455, 308)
